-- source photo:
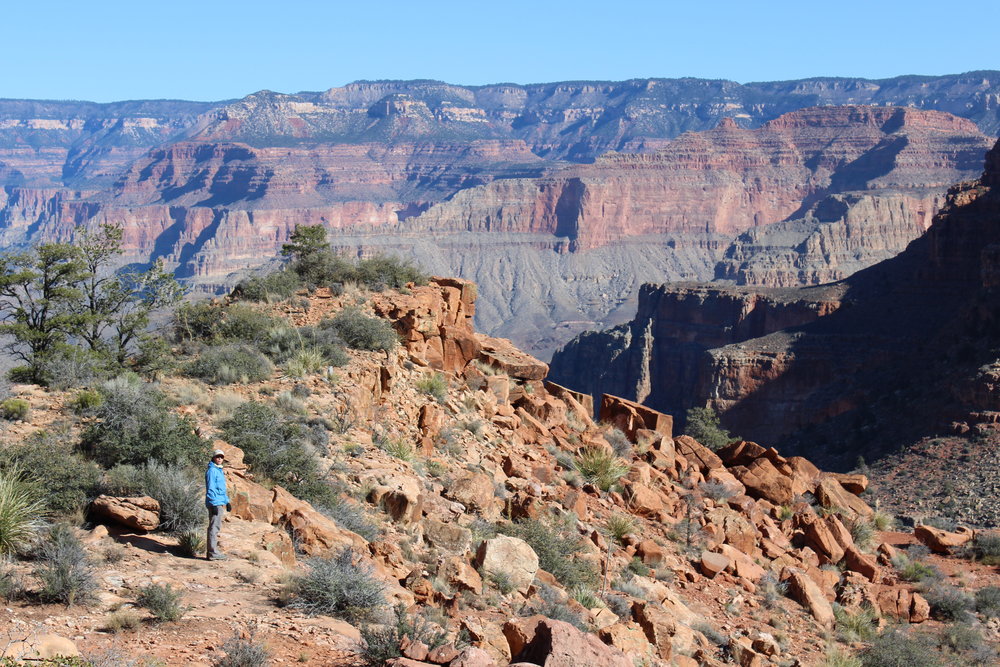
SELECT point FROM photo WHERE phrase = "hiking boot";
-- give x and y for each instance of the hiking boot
(218, 557)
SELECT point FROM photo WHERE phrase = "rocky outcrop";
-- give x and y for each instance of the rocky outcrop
(141, 513)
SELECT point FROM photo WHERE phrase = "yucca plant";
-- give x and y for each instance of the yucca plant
(22, 512)
(600, 467)
(619, 526)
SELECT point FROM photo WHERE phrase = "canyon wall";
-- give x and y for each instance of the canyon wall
(559, 199)
(897, 350)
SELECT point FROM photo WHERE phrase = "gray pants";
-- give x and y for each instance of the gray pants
(215, 514)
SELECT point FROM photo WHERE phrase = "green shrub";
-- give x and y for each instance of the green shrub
(896, 648)
(273, 286)
(11, 584)
(986, 547)
(15, 409)
(87, 400)
(163, 602)
(948, 602)
(557, 544)
(336, 586)
(64, 570)
(21, 375)
(398, 447)
(620, 525)
(703, 425)
(229, 364)
(434, 385)
(988, 601)
(69, 366)
(154, 356)
(134, 426)
(245, 324)
(350, 516)
(910, 569)
(838, 657)
(859, 626)
(362, 332)
(600, 467)
(305, 362)
(883, 521)
(22, 512)
(65, 480)
(862, 532)
(636, 566)
(244, 652)
(196, 321)
(388, 270)
(275, 447)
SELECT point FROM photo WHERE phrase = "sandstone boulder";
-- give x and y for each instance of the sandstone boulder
(713, 563)
(809, 595)
(138, 513)
(763, 480)
(630, 416)
(511, 557)
(472, 656)
(474, 490)
(552, 643)
(830, 493)
(502, 355)
(941, 541)
(696, 453)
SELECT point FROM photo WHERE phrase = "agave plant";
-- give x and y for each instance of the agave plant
(22, 512)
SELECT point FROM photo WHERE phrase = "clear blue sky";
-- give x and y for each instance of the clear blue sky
(218, 49)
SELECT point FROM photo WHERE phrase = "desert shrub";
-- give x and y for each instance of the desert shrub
(273, 286)
(600, 467)
(620, 525)
(336, 586)
(911, 569)
(275, 447)
(712, 633)
(22, 512)
(64, 479)
(717, 491)
(362, 332)
(69, 366)
(305, 362)
(838, 657)
(196, 321)
(948, 602)
(381, 643)
(162, 601)
(351, 517)
(896, 648)
(862, 532)
(636, 566)
(122, 620)
(229, 364)
(65, 572)
(15, 409)
(986, 547)
(961, 638)
(619, 443)
(244, 652)
(11, 584)
(135, 426)
(288, 404)
(988, 601)
(557, 544)
(703, 425)
(548, 602)
(434, 385)
(180, 492)
(619, 604)
(388, 270)
(861, 625)
(772, 589)
(397, 447)
(85, 401)
(245, 324)
(883, 520)
(153, 357)
(500, 581)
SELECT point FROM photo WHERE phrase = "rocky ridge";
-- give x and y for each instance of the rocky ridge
(499, 445)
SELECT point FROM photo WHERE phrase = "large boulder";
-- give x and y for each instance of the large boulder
(941, 541)
(511, 557)
(809, 595)
(697, 453)
(138, 513)
(763, 480)
(630, 416)
(314, 533)
(553, 643)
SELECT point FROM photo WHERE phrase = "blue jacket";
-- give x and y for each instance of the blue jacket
(215, 486)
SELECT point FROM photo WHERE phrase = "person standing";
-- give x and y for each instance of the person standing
(217, 502)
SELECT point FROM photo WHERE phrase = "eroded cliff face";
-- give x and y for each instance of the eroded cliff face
(893, 352)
